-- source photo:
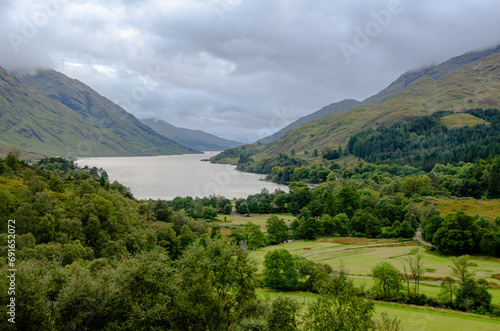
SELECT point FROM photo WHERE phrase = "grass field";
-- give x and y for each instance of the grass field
(302, 247)
(412, 318)
(360, 261)
(489, 209)
(459, 120)
(429, 290)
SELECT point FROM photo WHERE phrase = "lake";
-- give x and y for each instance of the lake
(166, 177)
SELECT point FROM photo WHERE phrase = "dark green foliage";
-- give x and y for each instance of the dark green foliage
(472, 296)
(338, 296)
(388, 282)
(280, 271)
(457, 235)
(308, 228)
(283, 316)
(494, 182)
(424, 141)
(330, 154)
(430, 226)
(277, 230)
(348, 200)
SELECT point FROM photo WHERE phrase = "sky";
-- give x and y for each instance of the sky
(240, 69)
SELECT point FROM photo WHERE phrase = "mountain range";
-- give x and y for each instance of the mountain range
(45, 113)
(464, 82)
(435, 72)
(195, 139)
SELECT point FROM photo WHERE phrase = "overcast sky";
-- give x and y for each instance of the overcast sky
(240, 69)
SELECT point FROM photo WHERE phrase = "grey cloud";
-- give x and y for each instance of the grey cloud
(242, 68)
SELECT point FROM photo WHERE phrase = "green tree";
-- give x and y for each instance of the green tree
(373, 227)
(283, 315)
(457, 235)
(215, 282)
(445, 296)
(209, 212)
(242, 208)
(471, 296)
(348, 200)
(277, 230)
(387, 280)
(12, 159)
(256, 238)
(430, 227)
(280, 271)
(494, 183)
(460, 268)
(339, 307)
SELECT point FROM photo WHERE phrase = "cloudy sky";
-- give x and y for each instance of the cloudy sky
(240, 69)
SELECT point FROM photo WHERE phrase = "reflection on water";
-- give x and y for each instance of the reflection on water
(166, 177)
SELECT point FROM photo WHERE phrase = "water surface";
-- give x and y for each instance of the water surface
(166, 177)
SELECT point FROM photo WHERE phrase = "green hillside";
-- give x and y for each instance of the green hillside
(476, 85)
(195, 139)
(56, 115)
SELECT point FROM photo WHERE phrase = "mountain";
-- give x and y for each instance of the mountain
(195, 139)
(435, 72)
(52, 114)
(338, 107)
(476, 85)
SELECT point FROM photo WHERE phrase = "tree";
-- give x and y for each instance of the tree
(308, 229)
(242, 208)
(215, 281)
(494, 183)
(471, 296)
(430, 227)
(283, 315)
(228, 208)
(445, 296)
(348, 200)
(387, 280)
(417, 270)
(12, 159)
(209, 212)
(339, 307)
(460, 267)
(255, 236)
(373, 227)
(419, 185)
(457, 235)
(277, 231)
(280, 271)
(331, 154)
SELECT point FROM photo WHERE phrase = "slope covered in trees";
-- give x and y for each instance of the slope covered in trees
(423, 142)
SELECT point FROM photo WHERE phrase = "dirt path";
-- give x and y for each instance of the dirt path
(418, 236)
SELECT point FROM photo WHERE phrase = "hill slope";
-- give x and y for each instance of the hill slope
(195, 139)
(476, 85)
(55, 115)
(435, 72)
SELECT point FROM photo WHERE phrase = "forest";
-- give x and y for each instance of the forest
(91, 256)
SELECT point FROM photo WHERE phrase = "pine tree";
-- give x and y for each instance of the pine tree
(494, 183)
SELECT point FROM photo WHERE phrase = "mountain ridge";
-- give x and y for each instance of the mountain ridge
(434, 71)
(476, 85)
(195, 139)
(37, 118)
